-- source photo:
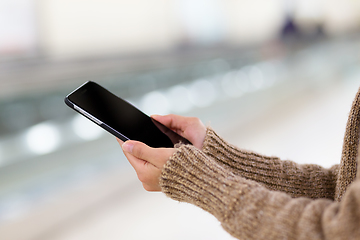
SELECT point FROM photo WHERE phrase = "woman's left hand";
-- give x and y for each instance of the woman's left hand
(147, 162)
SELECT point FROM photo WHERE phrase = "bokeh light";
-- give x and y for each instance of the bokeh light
(230, 86)
(86, 129)
(179, 98)
(155, 103)
(43, 138)
(202, 93)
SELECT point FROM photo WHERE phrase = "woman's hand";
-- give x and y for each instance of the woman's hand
(147, 162)
(190, 128)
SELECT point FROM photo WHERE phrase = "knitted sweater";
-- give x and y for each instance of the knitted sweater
(260, 197)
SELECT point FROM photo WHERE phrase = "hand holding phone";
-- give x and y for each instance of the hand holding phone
(119, 117)
(190, 128)
(148, 162)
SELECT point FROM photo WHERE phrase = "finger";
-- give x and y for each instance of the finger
(155, 156)
(141, 167)
(121, 142)
(172, 121)
(190, 128)
(135, 162)
(151, 187)
(147, 173)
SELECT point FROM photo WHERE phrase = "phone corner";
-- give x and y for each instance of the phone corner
(67, 102)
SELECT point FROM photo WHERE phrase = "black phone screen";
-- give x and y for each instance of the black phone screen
(121, 118)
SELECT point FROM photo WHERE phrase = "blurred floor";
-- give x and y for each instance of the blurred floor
(308, 127)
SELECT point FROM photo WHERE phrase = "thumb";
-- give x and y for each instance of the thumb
(155, 156)
(172, 121)
(137, 149)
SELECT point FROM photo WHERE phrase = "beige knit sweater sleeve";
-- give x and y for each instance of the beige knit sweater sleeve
(308, 180)
(248, 210)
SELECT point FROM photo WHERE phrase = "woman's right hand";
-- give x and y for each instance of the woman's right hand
(190, 128)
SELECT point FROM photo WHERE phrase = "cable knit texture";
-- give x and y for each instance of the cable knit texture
(348, 165)
(260, 197)
(308, 180)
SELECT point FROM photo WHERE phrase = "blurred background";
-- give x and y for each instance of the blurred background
(277, 77)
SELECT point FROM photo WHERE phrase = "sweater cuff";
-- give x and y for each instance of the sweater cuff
(243, 163)
(213, 142)
(216, 146)
(191, 176)
(271, 172)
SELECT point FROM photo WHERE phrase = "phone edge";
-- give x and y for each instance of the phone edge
(102, 125)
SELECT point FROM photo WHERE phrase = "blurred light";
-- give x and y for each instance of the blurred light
(17, 27)
(202, 93)
(43, 138)
(179, 98)
(86, 129)
(155, 103)
(269, 73)
(230, 86)
(256, 78)
(242, 81)
(202, 20)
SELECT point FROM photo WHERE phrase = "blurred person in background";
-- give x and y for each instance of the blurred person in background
(255, 196)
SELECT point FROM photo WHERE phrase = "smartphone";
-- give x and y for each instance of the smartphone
(119, 117)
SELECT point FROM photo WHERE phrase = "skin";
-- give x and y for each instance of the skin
(148, 162)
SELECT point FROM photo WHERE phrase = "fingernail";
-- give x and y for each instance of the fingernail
(128, 147)
(155, 116)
